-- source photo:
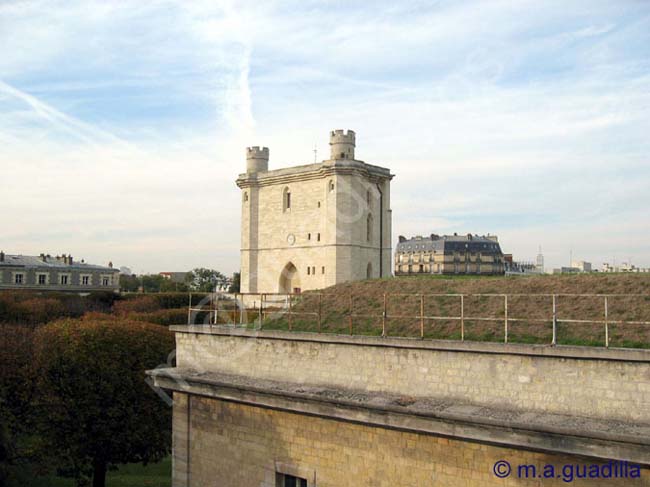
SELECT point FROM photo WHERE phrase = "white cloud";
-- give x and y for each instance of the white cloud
(123, 124)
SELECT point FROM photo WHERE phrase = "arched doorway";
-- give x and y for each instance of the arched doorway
(289, 279)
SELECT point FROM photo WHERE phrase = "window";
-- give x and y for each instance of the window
(331, 186)
(318, 237)
(63, 279)
(309, 236)
(42, 279)
(19, 278)
(105, 281)
(245, 196)
(286, 199)
(286, 480)
(323, 270)
(369, 228)
(368, 197)
(313, 270)
(308, 270)
(85, 280)
(319, 204)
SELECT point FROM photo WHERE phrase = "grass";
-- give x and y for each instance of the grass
(403, 310)
(132, 475)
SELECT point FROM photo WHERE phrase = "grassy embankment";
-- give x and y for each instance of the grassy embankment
(403, 311)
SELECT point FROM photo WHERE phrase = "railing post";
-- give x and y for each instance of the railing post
(421, 316)
(290, 315)
(505, 303)
(383, 318)
(606, 324)
(320, 296)
(462, 317)
(189, 311)
(350, 316)
(242, 308)
(261, 309)
(554, 341)
(216, 310)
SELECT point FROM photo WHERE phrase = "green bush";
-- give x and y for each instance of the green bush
(162, 317)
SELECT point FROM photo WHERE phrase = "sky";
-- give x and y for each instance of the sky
(123, 124)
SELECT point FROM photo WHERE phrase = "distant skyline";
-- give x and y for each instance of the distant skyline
(123, 124)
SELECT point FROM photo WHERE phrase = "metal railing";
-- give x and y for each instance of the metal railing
(255, 308)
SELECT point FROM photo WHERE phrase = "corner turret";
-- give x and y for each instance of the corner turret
(257, 159)
(342, 144)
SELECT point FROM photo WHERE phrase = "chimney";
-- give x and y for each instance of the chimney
(110, 264)
(43, 258)
(402, 238)
(2, 256)
(69, 259)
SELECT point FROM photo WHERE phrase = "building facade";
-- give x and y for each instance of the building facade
(60, 273)
(448, 254)
(316, 225)
(258, 408)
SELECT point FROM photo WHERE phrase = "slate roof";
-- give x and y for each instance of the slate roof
(33, 262)
(450, 243)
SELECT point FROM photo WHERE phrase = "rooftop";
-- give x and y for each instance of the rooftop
(58, 262)
(473, 243)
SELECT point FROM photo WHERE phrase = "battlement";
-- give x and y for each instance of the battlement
(342, 144)
(257, 152)
(337, 136)
(257, 159)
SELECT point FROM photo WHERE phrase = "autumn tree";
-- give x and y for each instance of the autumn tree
(97, 410)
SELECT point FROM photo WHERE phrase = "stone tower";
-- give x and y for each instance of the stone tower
(342, 144)
(315, 225)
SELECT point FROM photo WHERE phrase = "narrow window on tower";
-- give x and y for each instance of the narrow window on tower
(318, 237)
(286, 199)
(369, 228)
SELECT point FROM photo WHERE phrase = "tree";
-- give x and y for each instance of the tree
(204, 280)
(168, 286)
(152, 283)
(17, 389)
(236, 283)
(97, 410)
(129, 283)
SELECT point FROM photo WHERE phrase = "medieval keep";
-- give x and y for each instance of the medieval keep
(312, 226)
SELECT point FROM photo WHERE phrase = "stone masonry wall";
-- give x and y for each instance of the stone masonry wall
(236, 445)
(516, 377)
